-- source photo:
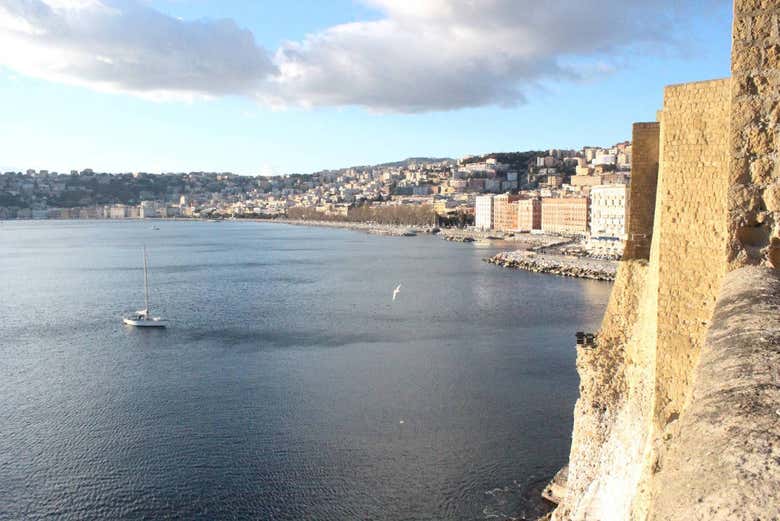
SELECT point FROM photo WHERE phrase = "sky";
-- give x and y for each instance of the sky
(273, 87)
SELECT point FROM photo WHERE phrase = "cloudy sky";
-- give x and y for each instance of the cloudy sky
(262, 86)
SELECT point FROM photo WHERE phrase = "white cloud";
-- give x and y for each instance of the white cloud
(125, 46)
(421, 55)
(447, 54)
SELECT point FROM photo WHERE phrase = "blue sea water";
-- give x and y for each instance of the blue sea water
(289, 385)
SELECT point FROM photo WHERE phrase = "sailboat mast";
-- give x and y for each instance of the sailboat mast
(146, 284)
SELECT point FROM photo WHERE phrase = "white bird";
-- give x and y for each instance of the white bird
(396, 291)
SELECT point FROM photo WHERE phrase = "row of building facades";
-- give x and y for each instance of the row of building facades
(144, 210)
(600, 214)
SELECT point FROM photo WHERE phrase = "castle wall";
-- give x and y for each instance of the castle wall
(614, 413)
(754, 218)
(637, 379)
(723, 461)
(676, 414)
(690, 230)
(644, 179)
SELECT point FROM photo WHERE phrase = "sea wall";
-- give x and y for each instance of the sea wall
(679, 408)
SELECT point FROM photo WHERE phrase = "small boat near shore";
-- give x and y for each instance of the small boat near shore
(144, 318)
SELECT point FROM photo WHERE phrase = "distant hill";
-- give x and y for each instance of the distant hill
(395, 164)
(418, 160)
(518, 160)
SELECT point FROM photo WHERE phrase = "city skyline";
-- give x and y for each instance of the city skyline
(560, 91)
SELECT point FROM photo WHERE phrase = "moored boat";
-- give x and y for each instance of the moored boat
(144, 318)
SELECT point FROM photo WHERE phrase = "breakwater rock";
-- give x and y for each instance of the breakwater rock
(391, 230)
(458, 238)
(579, 267)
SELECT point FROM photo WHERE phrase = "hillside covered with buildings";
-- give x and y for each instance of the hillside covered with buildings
(568, 192)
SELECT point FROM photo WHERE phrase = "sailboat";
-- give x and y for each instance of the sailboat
(144, 318)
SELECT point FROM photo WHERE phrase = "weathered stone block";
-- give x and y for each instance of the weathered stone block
(742, 6)
(772, 197)
(758, 140)
(774, 253)
(745, 58)
(772, 59)
(742, 28)
(740, 170)
(761, 27)
(761, 170)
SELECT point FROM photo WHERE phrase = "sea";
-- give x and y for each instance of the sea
(289, 384)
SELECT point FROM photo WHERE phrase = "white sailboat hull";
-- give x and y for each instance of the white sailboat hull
(145, 322)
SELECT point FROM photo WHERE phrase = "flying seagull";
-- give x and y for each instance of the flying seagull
(396, 291)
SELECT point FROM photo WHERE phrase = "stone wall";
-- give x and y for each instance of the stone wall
(754, 198)
(637, 379)
(644, 179)
(722, 461)
(678, 413)
(691, 232)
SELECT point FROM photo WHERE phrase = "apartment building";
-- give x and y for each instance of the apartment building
(505, 212)
(483, 212)
(565, 215)
(529, 215)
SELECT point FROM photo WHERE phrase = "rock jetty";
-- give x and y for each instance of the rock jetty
(579, 267)
(391, 230)
(458, 238)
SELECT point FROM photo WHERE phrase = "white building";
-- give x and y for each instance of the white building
(608, 219)
(483, 212)
(605, 159)
(148, 209)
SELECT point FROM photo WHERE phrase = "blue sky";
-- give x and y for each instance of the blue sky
(367, 94)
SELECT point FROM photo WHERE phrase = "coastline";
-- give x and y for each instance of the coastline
(393, 230)
(531, 253)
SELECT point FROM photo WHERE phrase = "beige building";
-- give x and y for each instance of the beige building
(529, 215)
(117, 211)
(578, 181)
(554, 181)
(505, 212)
(565, 215)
